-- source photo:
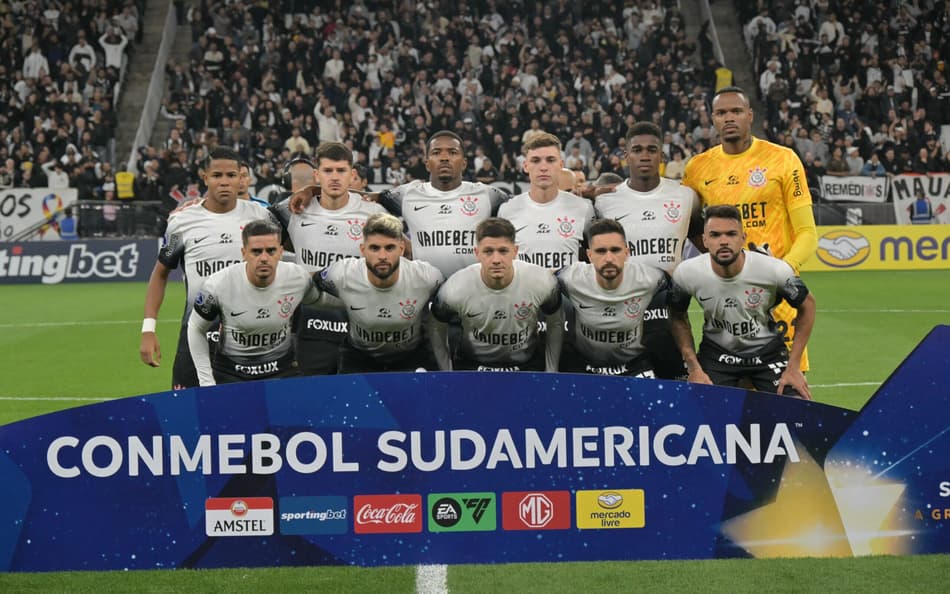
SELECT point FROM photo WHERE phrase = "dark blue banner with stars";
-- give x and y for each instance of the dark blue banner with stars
(395, 469)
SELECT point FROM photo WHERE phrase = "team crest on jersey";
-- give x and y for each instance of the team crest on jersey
(632, 307)
(757, 177)
(354, 229)
(565, 227)
(469, 205)
(753, 297)
(523, 310)
(286, 304)
(408, 310)
(674, 211)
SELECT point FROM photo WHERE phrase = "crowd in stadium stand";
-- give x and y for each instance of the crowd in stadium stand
(854, 88)
(853, 91)
(274, 85)
(61, 68)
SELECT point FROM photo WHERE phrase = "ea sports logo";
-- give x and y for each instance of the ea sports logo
(843, 248)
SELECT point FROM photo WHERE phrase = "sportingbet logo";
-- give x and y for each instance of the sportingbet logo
(618, 508)
(239, 516)
(80, 263)
(314, 515)
(376, 514)
(462, 512)
(536, 510)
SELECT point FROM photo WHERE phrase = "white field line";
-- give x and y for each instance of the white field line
(432, 579)
(57, 398)
(79, 323)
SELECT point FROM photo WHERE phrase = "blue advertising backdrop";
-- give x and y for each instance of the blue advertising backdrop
(395, 469)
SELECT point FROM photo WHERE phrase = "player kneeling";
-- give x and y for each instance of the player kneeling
(386, 298)
(610, 296)
(737, 290)
(255, 301)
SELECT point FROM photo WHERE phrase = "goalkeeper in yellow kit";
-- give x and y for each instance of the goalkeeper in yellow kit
(766, 182)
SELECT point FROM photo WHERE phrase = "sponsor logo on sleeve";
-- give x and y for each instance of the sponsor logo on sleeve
(536, 510)
(462, 512)
(609, 509)
(239, 516)
(381, 514)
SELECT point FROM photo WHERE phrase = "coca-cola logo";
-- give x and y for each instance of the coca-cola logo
(401, 513)
(387, 513)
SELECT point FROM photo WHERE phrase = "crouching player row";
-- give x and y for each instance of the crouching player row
(495, 305)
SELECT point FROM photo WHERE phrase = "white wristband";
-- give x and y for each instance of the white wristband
(148, 325)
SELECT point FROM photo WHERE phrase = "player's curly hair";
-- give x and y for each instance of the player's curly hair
(383, 224)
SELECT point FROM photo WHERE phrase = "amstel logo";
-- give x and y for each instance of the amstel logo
(843, 248)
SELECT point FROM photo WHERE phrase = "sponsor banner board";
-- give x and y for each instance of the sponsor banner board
(881, 247)
(23, 208)
(95, 260)
(400, 469)
(855, 188)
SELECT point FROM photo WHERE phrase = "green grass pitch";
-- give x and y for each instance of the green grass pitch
(70, 345)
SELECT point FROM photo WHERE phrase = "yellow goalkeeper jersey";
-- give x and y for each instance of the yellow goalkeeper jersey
(766, 182)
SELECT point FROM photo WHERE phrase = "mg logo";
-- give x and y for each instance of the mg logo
(536, 510)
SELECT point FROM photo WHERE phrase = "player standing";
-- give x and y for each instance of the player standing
(442, 213)
(255, 302)
(737, 290)
(203, 238)
(328, 229)
(766, 182)
(658, 216)
(549, 223)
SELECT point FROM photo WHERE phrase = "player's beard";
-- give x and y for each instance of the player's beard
(386, 273)
(727, 261)
(609, 272)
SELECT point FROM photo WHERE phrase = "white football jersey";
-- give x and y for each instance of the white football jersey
(255, 321)
(608, 324)
(738, 310)
(386, 321)
(498, 325)
(549, 234)
(204, 242)
(656, 223)
(442, 224)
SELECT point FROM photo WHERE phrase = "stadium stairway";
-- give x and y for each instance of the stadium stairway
(138, 74)
(179, 54)
(737, 58)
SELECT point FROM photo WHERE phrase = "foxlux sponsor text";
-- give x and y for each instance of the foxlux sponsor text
(306, 452)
